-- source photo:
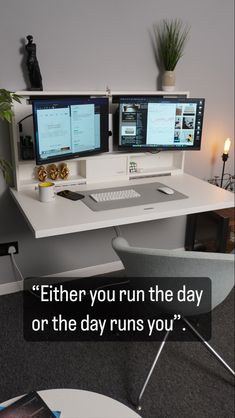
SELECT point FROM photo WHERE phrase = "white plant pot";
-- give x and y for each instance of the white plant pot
(168, 81)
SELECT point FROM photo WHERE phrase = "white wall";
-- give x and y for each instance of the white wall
(85, 45)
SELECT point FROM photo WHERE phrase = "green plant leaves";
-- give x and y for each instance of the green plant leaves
(6, 113)
(170, 39)
(6, 169)
(6, 102)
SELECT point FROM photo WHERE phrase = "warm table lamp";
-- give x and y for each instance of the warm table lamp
(227, 144)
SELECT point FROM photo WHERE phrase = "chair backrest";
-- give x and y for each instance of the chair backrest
(146, 262)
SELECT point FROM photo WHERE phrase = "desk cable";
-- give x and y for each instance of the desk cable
(118, 231)
(11, 252)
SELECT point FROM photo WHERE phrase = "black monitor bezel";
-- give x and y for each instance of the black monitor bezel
(133, 149)
(104, 125)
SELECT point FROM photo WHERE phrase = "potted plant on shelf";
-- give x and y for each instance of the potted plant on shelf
(170, 40)
(7, 99)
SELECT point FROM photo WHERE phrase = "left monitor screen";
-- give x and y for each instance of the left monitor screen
(67, 128)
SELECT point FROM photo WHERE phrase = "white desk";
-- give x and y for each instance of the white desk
(83, 404)
(63, 216)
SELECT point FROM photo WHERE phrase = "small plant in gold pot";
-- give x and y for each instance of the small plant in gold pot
(170, 39)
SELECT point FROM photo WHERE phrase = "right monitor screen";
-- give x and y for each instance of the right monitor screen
(153, 123)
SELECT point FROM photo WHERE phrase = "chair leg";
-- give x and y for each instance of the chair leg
(138, 405)
(208, 346)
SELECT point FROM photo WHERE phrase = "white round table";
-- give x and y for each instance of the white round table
(74, 403)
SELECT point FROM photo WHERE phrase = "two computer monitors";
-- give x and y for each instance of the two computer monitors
(71, 127)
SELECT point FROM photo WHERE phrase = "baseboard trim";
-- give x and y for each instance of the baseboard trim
(91, 270)
(14, 287)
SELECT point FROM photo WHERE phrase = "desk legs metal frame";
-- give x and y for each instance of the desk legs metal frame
(208, 346)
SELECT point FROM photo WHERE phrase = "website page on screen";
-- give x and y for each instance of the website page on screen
(68, 129)
(145, 123)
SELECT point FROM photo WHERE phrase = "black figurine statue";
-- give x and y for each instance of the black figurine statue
(33, 66)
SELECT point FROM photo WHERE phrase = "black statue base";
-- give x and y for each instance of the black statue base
(35, 89)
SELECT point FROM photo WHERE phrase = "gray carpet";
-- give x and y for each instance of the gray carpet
(187, 382)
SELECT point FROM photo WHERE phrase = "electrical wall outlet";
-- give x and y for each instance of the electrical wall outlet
(5, 247)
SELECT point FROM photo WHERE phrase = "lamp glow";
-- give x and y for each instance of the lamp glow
(227, 145)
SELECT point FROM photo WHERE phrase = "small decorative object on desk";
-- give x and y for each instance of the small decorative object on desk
(35, 77)
(133, 167)
(41, 173)
(64, 171)
(169, 42)
(53, 171)
(228, 180)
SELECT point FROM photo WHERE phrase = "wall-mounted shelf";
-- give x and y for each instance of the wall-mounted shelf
(111, 166)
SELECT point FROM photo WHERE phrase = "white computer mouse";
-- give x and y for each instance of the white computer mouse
(166, 190)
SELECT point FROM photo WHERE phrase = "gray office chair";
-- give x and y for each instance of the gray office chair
(145, 262)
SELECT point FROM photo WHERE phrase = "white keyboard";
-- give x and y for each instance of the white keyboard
(117, 195)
